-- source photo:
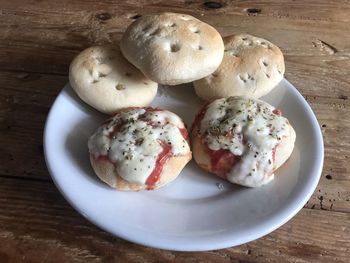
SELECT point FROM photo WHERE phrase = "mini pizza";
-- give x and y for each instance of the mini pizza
(140, 148)
(242, 140)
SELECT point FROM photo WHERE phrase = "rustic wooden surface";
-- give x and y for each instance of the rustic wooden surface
(38, 39)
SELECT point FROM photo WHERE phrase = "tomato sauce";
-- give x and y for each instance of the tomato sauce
(274, 152)
(277, 112)
(199, 117)
(103, 158)
(222, 161)
(184, 133)
(161, 160)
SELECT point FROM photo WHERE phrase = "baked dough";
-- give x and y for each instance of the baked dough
(251, 66)
(172, 48)
(140, 148)
(105, 80)
(242, 140)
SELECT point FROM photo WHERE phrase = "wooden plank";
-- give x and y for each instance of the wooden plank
(36, 224)
(333, 116)
(25, 100)
(63, 32)
(321, 10)
(314, 10)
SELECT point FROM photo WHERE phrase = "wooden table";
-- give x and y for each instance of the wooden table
(38, 39)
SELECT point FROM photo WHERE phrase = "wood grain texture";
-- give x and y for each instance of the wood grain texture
(38, 39)
(36, 224)
(65, 28)
(25, 100)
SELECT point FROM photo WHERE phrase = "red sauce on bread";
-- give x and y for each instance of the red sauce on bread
(102, 158)
(222, 161)
(161, 160)
(274, 152)
(199, 117)
(277, 112)
(184, 133)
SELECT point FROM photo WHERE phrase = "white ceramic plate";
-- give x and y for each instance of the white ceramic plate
(197, 211)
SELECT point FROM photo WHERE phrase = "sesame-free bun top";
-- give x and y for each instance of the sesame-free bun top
(105, 80)
(251, 66)
(172, 48)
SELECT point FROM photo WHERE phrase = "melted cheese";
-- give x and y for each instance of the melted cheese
(248, 128)
(135, 145)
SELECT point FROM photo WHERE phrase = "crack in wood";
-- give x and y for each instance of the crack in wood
(324, 46)
(18, 177)
(104, 16)
(253, 11)
(213, 5)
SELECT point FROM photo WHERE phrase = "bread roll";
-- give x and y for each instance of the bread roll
(172, 48)
(105, 80)
(242, 140)
(251, 67)
(140, 148)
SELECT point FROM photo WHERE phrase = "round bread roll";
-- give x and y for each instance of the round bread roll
(105, 80)
(251, 67)
(172, 48)
(140, 148)
(242, 140)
